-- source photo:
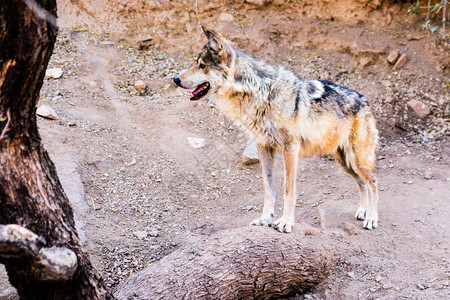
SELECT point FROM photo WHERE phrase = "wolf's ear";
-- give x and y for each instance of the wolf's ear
(216, 40)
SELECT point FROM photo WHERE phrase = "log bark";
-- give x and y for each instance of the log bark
(242, 263)
(31, 195)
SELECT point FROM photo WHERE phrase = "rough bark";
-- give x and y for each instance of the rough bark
(30, 192)
(242, 263)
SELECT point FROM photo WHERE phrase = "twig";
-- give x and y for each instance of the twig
(196, 12)
(239, 20)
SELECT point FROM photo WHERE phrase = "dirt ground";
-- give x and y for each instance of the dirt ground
(139, 174)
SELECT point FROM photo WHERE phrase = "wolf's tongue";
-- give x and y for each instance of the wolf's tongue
(199, 89)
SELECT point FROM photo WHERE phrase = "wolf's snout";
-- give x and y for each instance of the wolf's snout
(177, 81)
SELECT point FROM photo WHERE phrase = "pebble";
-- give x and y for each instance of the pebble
(225, 17)
(351, 274)
(389, 99)
(250, 155)
(420, 108)
(364, 61)
(392, 57)
(196, 143)
(379, 278)
(53, 73)
(154, 233)
(428, 175)
(47, 112)
(401, 62)
(140, 234)
(256, 2)
(350, 228)
(386, 83)
(140, 86)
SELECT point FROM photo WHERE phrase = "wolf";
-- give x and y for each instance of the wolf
(287, 114)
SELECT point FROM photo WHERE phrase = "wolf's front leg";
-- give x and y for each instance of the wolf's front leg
(286, 222)
(266, 158)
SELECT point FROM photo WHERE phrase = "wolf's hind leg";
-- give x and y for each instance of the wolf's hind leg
(291, 155)
(340, 159)
(266, 158)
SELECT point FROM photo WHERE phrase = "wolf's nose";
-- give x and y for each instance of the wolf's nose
(177, 81)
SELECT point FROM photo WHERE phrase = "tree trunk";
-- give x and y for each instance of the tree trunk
(30, 192)
(242, 263)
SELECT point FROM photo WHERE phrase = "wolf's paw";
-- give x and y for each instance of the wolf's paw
(371, 221)
(283, 225)
(360, 213)
(262, 221)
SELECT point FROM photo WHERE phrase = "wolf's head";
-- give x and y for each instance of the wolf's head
(211, 68)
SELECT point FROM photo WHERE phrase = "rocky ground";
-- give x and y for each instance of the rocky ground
(145, 190)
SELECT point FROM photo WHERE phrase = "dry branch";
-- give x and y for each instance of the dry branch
(242, 263)
(53, 264)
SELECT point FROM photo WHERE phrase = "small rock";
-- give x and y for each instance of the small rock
(428, 175)
(47, 112)
(140, 234)
(392, 57)
(146, 43)
(350, 228)
(154, 233)
(196, 143)
(256, 2)
(379, 279)
(225, 17)
(364, 61)
(131, 89)
(388, 286)
(420, 287)
(441, 102)
(386, 83)
(140, 86)
(351, 274)
(250, 155)
(53, 73)
(400, 62)
(420, 108)
(389, 99)
(394, 224)
(248, 207)
(410, 182)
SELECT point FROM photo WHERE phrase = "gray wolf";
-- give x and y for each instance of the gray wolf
(295, 117)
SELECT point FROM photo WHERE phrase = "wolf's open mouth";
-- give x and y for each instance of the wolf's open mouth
(200, 91)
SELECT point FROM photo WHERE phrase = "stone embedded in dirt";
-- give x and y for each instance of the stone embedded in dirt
(350, 228)
(225, 17)
(420, 108)
(364, 61)
(53, 73)
(392, 57)
(400, 62)
(196, 143)
(250, 155)
(47, 112)
(378, 278)
(389, 99)
(386, 83)
(140, 234)
(256, 2)
(146, 43)
(428, 175)
(154, 233)
(140, 86)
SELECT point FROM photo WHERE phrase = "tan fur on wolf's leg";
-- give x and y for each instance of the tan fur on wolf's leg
(286, 222)
(266, 158)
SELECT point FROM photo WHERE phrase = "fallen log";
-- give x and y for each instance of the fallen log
(241, 263)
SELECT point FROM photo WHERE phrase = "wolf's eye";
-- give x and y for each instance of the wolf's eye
(201, 66)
